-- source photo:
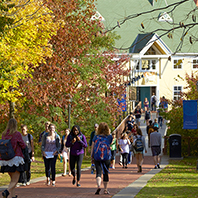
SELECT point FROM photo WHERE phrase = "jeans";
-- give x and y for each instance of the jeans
(102, 166)
(160, 120)
(153, 107)
(73, 160)
(50, 163)
(124, 159)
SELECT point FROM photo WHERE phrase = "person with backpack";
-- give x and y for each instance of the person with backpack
(148, 116)
(140, 147)
(15, 164)
(50, 148)
(28, 139)
(149, 130)
(155, 123)
(101, 155)
(153, 102)
(77, 143)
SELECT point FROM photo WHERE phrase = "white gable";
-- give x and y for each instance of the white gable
(97, 16)
(165, 17)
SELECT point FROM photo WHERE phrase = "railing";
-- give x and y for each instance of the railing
(122, 125)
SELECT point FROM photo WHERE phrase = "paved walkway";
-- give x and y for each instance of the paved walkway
(123, 182)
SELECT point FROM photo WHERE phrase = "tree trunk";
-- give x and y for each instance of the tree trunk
(12, 105)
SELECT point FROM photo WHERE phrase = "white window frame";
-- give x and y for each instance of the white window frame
(150, 64)
(196, 59)
(178, 97)
(177, 59)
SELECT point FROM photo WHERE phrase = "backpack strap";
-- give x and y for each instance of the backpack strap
(29, 138)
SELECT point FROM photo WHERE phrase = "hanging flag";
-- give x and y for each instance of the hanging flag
(190, 114)
(122, 103)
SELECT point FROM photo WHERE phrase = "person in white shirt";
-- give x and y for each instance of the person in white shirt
(124, 147)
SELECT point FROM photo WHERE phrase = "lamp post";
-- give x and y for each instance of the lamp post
(69, 113)
(197, 90)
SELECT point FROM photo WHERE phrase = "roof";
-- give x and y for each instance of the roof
(115, 11)
(140, 42)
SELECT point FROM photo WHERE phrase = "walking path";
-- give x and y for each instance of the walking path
(123, 182)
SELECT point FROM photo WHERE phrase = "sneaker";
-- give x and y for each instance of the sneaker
(23, 184)
(53, 183)
(64, 175)
(28, 183)
(113, 167)
(120, 163)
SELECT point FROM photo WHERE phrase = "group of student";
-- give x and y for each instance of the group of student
(72, 147)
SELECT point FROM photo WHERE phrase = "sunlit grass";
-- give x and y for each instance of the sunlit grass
(178, 179)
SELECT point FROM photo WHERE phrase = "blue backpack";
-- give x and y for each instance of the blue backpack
(102, 149)
(139, 145)
(6, 150)
(156, 125)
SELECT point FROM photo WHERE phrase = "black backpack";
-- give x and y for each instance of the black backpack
(6, 150)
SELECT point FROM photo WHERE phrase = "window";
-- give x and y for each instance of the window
(177, 64)
(195, 63)
(176, 92)
(149, 64)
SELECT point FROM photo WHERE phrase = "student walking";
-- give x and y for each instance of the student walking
(77, 143)
(138, 113)
(46, 131)
(153, 102)
(113, 150)
(124, 147)
(50, 148)
(15, 165)
(155, 141)
(148, 116)
(65, 152)
(28, 139)
(140, 148)
(101, 145)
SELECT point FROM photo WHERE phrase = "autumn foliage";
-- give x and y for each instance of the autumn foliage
(83, 68)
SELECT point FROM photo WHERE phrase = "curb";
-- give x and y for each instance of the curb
(133, 189)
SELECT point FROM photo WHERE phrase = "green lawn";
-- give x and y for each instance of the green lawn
(38, 169)
(178, 179)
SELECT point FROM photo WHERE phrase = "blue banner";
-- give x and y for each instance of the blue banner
(190, 114)
(122, 103)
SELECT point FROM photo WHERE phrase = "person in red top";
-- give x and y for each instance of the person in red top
(15, 165)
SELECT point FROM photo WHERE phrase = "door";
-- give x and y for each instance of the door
(145, 93)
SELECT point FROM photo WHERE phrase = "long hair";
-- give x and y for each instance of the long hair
(65, 138)
(139, 131)
(72, 130)
(11, 126)
(103, 129)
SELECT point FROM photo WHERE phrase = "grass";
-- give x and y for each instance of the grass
(38, 169)
(178, 179)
